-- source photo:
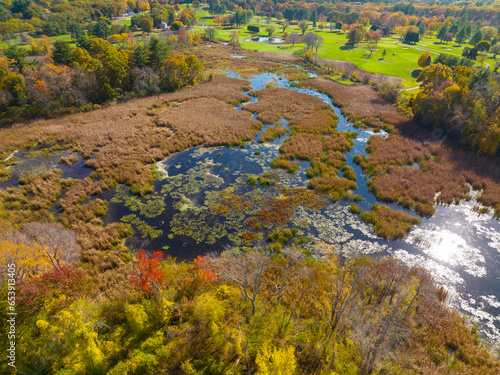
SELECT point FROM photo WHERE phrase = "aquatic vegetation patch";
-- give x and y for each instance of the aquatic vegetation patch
(153, 206)
(141, 226)
(33, 197)
(5, 173)
(270, 134)
(389, 223)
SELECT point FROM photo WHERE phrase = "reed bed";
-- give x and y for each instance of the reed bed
(418, 174)
(388, 223)
(121, 142)
(358, 101)
(305, 113)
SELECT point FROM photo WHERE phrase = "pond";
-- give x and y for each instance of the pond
(185, 217)
(266, 39)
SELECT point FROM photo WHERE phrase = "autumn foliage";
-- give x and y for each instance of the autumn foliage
(148, 273)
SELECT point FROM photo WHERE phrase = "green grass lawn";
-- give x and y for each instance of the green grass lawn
(400, 60)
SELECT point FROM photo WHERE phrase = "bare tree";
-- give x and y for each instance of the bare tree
(309, 39)
(293, 257)
(318, 43)
(382, 324)
(60, 244)
(372, 47)
(293, 38)
(244, 269)
(349, 68)
(342, 293)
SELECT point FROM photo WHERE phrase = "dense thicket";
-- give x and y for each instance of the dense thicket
(464, 101)
(240, 312)
(93, 73)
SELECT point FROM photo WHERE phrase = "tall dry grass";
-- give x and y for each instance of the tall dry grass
(445, 172)
(305, 113)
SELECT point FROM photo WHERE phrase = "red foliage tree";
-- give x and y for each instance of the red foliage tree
(202, 274)
(148, 272)
(66, 281)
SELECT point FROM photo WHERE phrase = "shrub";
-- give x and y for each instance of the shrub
(253, 29)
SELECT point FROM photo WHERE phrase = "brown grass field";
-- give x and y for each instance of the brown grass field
(358, 101)
(305, 113)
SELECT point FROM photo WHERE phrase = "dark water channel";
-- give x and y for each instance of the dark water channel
(460, 248)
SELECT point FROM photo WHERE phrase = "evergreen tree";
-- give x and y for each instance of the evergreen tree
(461, 36)
(314, 17)
(476, 38)
(442, 33)
(61, 53)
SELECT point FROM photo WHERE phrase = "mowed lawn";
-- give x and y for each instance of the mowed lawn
(400, 59)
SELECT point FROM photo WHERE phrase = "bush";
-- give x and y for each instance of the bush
(253, 29)
(389, 90)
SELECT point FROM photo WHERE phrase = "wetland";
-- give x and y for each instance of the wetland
(262, 153)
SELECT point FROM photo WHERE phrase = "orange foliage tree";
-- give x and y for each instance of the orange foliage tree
(148, 273)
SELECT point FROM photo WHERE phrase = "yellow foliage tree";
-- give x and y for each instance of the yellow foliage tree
(424, 59)
(29, 260)
(276, 361)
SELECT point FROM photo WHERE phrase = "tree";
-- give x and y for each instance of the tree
(376, 36)
(60, 244)
(270, 30)
(470, 53)
(488, 32)
(483, 45)
(421, 29)
(246, 270)
(495, 50)
(462, 34)
(17, 55)
(234, 37)
(210, 33)
(158, 51)
(425, 59)
(390, 90)
(309, 39)
(101, 29)
(442, 32)
(29, 260)
(140, 57)
(476, 38)
(148, 274)
(448, 37)
(338, 25)
(412, 37)
(146, 24)
(319, 42)
(284, 25)
(61, 53)
(177, 25)
(293, 38)
(372, 47)
(355, 36)
(314, 17)
(303, 25)
(76, 30)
